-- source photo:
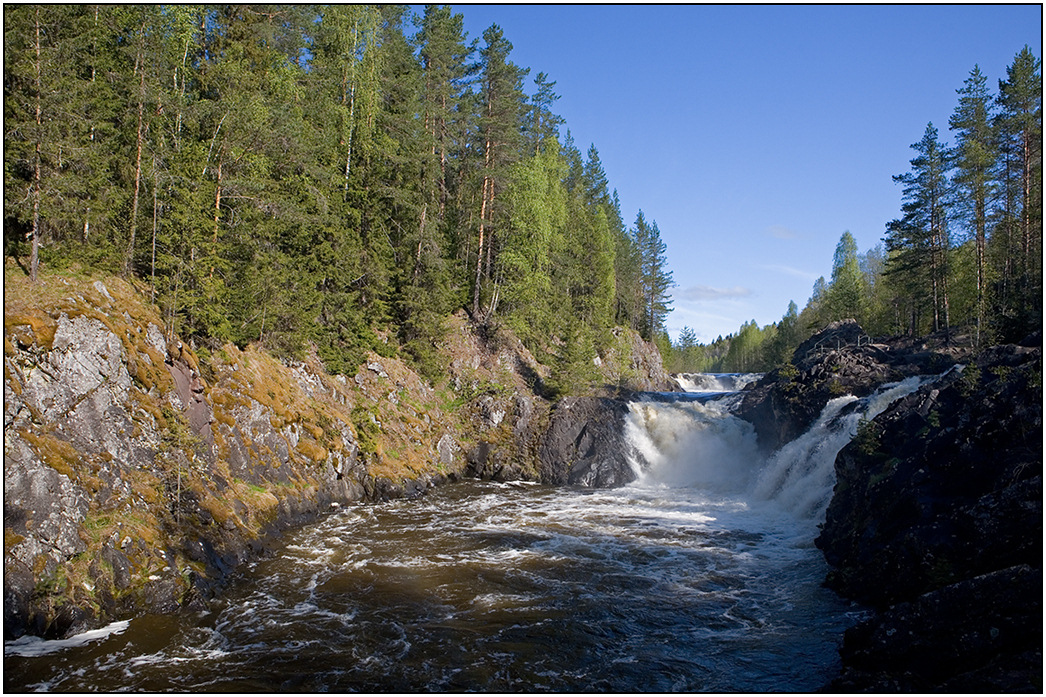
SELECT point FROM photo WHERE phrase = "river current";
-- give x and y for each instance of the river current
(700, 576)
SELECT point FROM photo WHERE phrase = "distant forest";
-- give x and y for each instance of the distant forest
(965, 255)
(327, 176)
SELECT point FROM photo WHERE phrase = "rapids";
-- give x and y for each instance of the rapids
(700, 576)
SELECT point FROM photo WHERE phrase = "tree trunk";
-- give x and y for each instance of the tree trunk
(34, 259)
(479, 249)
(980, 224)
(1026, 207)
(156, 225)
(348, 94)
(139, 60)
(217, 215)
(421, 238)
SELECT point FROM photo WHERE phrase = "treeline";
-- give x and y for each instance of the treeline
(965, 255)
(340, 176)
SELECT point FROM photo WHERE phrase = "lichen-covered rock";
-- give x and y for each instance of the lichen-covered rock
(123, 490)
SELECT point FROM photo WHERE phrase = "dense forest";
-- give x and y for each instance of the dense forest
(964, 257)
(343, 177)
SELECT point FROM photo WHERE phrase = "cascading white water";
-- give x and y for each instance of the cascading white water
(704, 446)
(715, 382)
(800, 475)
(691, 444)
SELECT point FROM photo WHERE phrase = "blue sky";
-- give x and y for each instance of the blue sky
(755, 135)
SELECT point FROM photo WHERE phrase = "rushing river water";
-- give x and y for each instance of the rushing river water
(700, 576)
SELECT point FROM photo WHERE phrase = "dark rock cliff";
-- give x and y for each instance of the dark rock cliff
(841, 359)
(585, 444)
(936, 521)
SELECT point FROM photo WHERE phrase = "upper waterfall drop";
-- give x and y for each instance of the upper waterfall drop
(715, 382)
(700, 444)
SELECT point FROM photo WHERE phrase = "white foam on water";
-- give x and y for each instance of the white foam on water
(35, 646)
(715, 382)
(701, 445)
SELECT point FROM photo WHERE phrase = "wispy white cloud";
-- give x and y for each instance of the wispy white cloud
(782, 233)
(790, 271)
(702, 293)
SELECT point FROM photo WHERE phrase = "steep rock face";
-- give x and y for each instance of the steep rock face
(841, 359)
(136, 479)
(498, 384)
(936, 519)
(585, 444)
(632, 364)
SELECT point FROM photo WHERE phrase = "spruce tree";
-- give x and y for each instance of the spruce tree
(655, 280)
(845, 296)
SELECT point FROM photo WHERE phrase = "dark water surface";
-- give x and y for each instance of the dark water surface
(494, 587)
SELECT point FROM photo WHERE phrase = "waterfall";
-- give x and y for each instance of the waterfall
(715, 382)
(800, 475)
(702, 445)
(691, 444)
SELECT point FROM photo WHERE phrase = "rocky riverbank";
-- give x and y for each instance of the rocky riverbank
(139, 471)
(936, 521)
(936, 516)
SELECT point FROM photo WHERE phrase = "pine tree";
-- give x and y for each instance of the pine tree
(543, 125)
(919, 241)
(974, 158)
(1019, 230)
(448, 74)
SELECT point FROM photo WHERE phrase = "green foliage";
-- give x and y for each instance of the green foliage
(367, 429)
(866, 440)
(306, 175)
(574, 371)
(845, 296)
(654, 280)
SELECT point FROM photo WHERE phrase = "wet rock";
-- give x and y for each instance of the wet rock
(585, 444)
(980, 635)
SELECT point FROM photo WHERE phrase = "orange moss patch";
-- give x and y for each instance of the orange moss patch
(312, 450)
(29, 326)
(58, 454)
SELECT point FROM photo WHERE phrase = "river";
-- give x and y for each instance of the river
(700, 576)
